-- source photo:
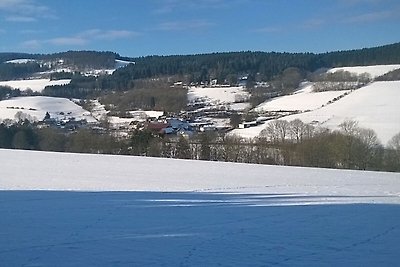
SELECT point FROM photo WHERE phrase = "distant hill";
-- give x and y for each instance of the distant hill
(221, 66)
(202, 68)
(262, 65)
(22, 65)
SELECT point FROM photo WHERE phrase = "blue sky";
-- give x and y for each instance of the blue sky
(165, 27)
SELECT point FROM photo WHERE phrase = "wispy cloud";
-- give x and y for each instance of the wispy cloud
(109, 35)
(270, 29)
(359, 2)
(30, 31)
(312, 24)
(24, 10)
(373, 16)
(68, 41)
(81, 39)
(184, 25)
(18, 18)
(168, 6)
(31, 44)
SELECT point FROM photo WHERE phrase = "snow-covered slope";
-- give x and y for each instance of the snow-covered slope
(36, 85)
(374, 106)
(373, 71)
(20, 61)
(192, 213)
(220, 96)
(37, 106)
(302, 100)
(63, 171)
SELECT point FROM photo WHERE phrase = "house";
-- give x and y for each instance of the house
(247, 124)
(156, 127)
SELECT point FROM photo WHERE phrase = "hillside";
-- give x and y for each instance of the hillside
(224, 67)
(36, 85)
(113, 210)
(374, 106)
(264, 64)
(36, 107)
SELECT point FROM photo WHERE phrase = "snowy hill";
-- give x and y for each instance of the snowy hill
(20, 61)
(374, 106)
(36, 85)
(127, 173)
(192, 213)
(234, 97)
(35, 107)
(374, 71)
(302, 100)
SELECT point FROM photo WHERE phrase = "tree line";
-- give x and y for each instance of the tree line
(226, 67)
(291, 143)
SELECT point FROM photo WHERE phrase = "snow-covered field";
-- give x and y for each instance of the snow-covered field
(37, 106)
(158, 212)
(220, 95)
(20, 61)
(302, 100)
(374, 106)
(36, 85)
(374, 71)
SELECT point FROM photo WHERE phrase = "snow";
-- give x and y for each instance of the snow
(149, 211)
(251, 132)
(374, 71)
(146, 113)
(374, 106)
(220, 95)
(122, 63)
(302, 100)
(67, 171)
(120, 121)
(36, 85)
(37, 106)
(20, 61)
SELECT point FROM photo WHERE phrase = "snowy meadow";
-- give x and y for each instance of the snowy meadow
(61, 209)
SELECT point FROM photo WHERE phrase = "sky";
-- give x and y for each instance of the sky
(175, 27)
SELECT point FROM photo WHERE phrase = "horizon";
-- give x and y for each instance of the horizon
(208, 53)
(173, 27)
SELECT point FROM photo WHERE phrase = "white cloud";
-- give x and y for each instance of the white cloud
(31, 44)
(268, 30)
(28, 31)
(169, 6)
(18, 18)
(313, 24)
(80, 39)
(358, 2)
(24, 10)
(184, 25)
(107, 35)
(67, 41)
(373, 16)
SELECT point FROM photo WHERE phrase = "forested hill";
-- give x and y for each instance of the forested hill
(73, 60)
(226, 66)
(388, 54)
(79, 59)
